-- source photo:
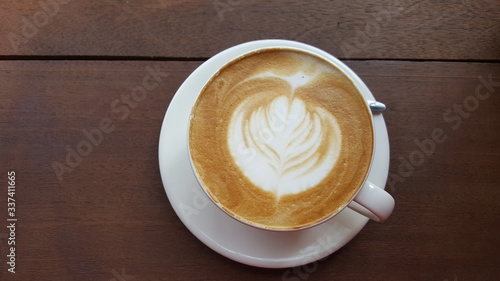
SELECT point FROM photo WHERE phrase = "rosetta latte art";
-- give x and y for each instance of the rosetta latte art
(280, 138)
(284, 146)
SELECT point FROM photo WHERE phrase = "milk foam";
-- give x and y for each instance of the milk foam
(285, 146)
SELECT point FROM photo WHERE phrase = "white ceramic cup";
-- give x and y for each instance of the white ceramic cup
(370, 200)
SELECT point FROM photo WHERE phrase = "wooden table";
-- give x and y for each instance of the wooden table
(67, 66)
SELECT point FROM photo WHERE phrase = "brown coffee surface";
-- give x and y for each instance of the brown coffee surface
(314, 150)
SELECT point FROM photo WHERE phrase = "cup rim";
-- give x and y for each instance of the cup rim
(310, 50)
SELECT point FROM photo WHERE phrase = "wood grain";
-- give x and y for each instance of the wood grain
(355, 29)
(110, 216)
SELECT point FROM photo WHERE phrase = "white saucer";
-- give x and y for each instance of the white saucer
(220, 232)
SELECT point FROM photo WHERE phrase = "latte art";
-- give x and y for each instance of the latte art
(280, 138)
(284, 147)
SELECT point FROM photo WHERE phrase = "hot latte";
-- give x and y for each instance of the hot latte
(280, 139)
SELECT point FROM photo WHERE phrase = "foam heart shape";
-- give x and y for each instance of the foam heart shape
(284, 146)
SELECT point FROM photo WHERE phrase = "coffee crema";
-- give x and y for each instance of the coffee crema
(280, 139)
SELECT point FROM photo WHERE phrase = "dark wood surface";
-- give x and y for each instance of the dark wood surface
(434, 63)
(393, 29)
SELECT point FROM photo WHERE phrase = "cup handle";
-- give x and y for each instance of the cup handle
(373, 202)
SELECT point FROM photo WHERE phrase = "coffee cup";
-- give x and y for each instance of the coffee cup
(282, 138)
